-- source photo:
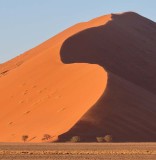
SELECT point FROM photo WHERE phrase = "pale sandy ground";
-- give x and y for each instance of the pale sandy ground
(91, 151)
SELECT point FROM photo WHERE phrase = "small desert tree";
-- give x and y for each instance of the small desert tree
(108, 138)
(100, 139)
(25, 137)
(75, 139)
(46, 137)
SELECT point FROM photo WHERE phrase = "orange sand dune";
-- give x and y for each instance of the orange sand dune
(95, 78)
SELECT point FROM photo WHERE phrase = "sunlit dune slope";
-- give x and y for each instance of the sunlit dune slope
(41, 95)
(95, 78)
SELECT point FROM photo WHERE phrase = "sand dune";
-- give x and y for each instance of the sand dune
(95, 78)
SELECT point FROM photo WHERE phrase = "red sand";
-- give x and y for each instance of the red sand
(92, 79)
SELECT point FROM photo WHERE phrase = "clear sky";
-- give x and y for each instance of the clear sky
(27, 23)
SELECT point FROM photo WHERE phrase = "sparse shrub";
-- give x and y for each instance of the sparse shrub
(108, 138)
(100, 139)
(46, 137)
(25, 137)
(75, 139)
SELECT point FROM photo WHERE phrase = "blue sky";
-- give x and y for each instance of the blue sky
(27, 23)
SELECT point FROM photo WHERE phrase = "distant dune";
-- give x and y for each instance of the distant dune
(93, 79)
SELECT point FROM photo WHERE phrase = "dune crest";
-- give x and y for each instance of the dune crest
(94, 78)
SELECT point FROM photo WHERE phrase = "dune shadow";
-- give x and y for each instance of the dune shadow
(125, 48)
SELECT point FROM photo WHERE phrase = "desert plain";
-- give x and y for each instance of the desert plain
(75, 151)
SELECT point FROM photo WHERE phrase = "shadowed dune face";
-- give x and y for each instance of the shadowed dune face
(125, 48)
